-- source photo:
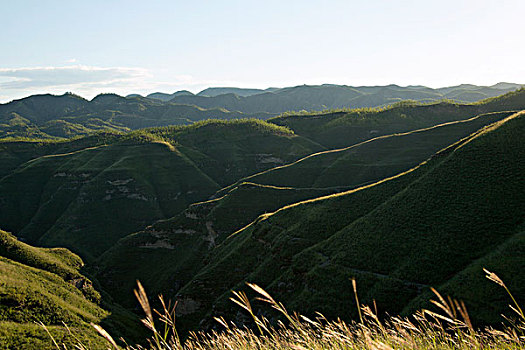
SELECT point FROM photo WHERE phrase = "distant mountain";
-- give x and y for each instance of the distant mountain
(68, 115)
(216, 91)
(505, 86)
(166, 97)
(49, 116)
(322, 97)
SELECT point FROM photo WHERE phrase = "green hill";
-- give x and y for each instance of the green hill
(434, 225)
(371, 160)
(45, 285)
(167, 254)
(68, 115)
(318, 174)
(204, 225)
(344, 128)
(13, 153)
(90, 197)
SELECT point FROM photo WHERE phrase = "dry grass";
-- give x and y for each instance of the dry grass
(450, 328)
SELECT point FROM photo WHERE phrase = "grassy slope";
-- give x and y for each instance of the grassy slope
(13, 153)
(45, 285)
(371, 160)
(230, 154)
(234, 149)
(200, 227)
(320, 174)
(396, 237)
(506, 260)
(341, 129)
(167, 254)
(87, 199)
(82, 200)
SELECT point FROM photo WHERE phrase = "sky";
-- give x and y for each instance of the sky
(92, 47)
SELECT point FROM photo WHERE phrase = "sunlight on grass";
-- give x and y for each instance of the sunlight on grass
(447, 328)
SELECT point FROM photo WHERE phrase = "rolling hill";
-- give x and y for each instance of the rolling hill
(48, 116)
(88, 198)
(341, 129)
(182, 244)
(204, 225)
(371, 160)
(68, 115)
(433, 225)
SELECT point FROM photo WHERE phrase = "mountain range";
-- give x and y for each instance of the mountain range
(69, 115)
(402, 198)
(328, 96)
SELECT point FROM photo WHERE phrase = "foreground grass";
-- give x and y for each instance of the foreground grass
(448, 328)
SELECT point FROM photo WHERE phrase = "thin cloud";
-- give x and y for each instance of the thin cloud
(28, 78)
(89, 81)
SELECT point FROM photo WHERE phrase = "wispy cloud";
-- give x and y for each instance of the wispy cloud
(78, 75)
(89, 81)
(85, 80)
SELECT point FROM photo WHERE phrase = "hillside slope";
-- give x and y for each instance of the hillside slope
(45, 285)
(398, 236)
(14, 153)
(344, 128)
(89, 198)
(373, 159)
(202, 226)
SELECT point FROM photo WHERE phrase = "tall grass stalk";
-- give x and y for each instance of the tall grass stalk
(448, 328)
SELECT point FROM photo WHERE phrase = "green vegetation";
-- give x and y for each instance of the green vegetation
(15, 152)
(463, 205)
(167, 254)
(88, 198)
(68, 115)
(373, 159)
(46, 286)
(182, 243)
(346, 127)
(401, 197)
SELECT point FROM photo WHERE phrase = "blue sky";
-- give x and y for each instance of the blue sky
(125, 47)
